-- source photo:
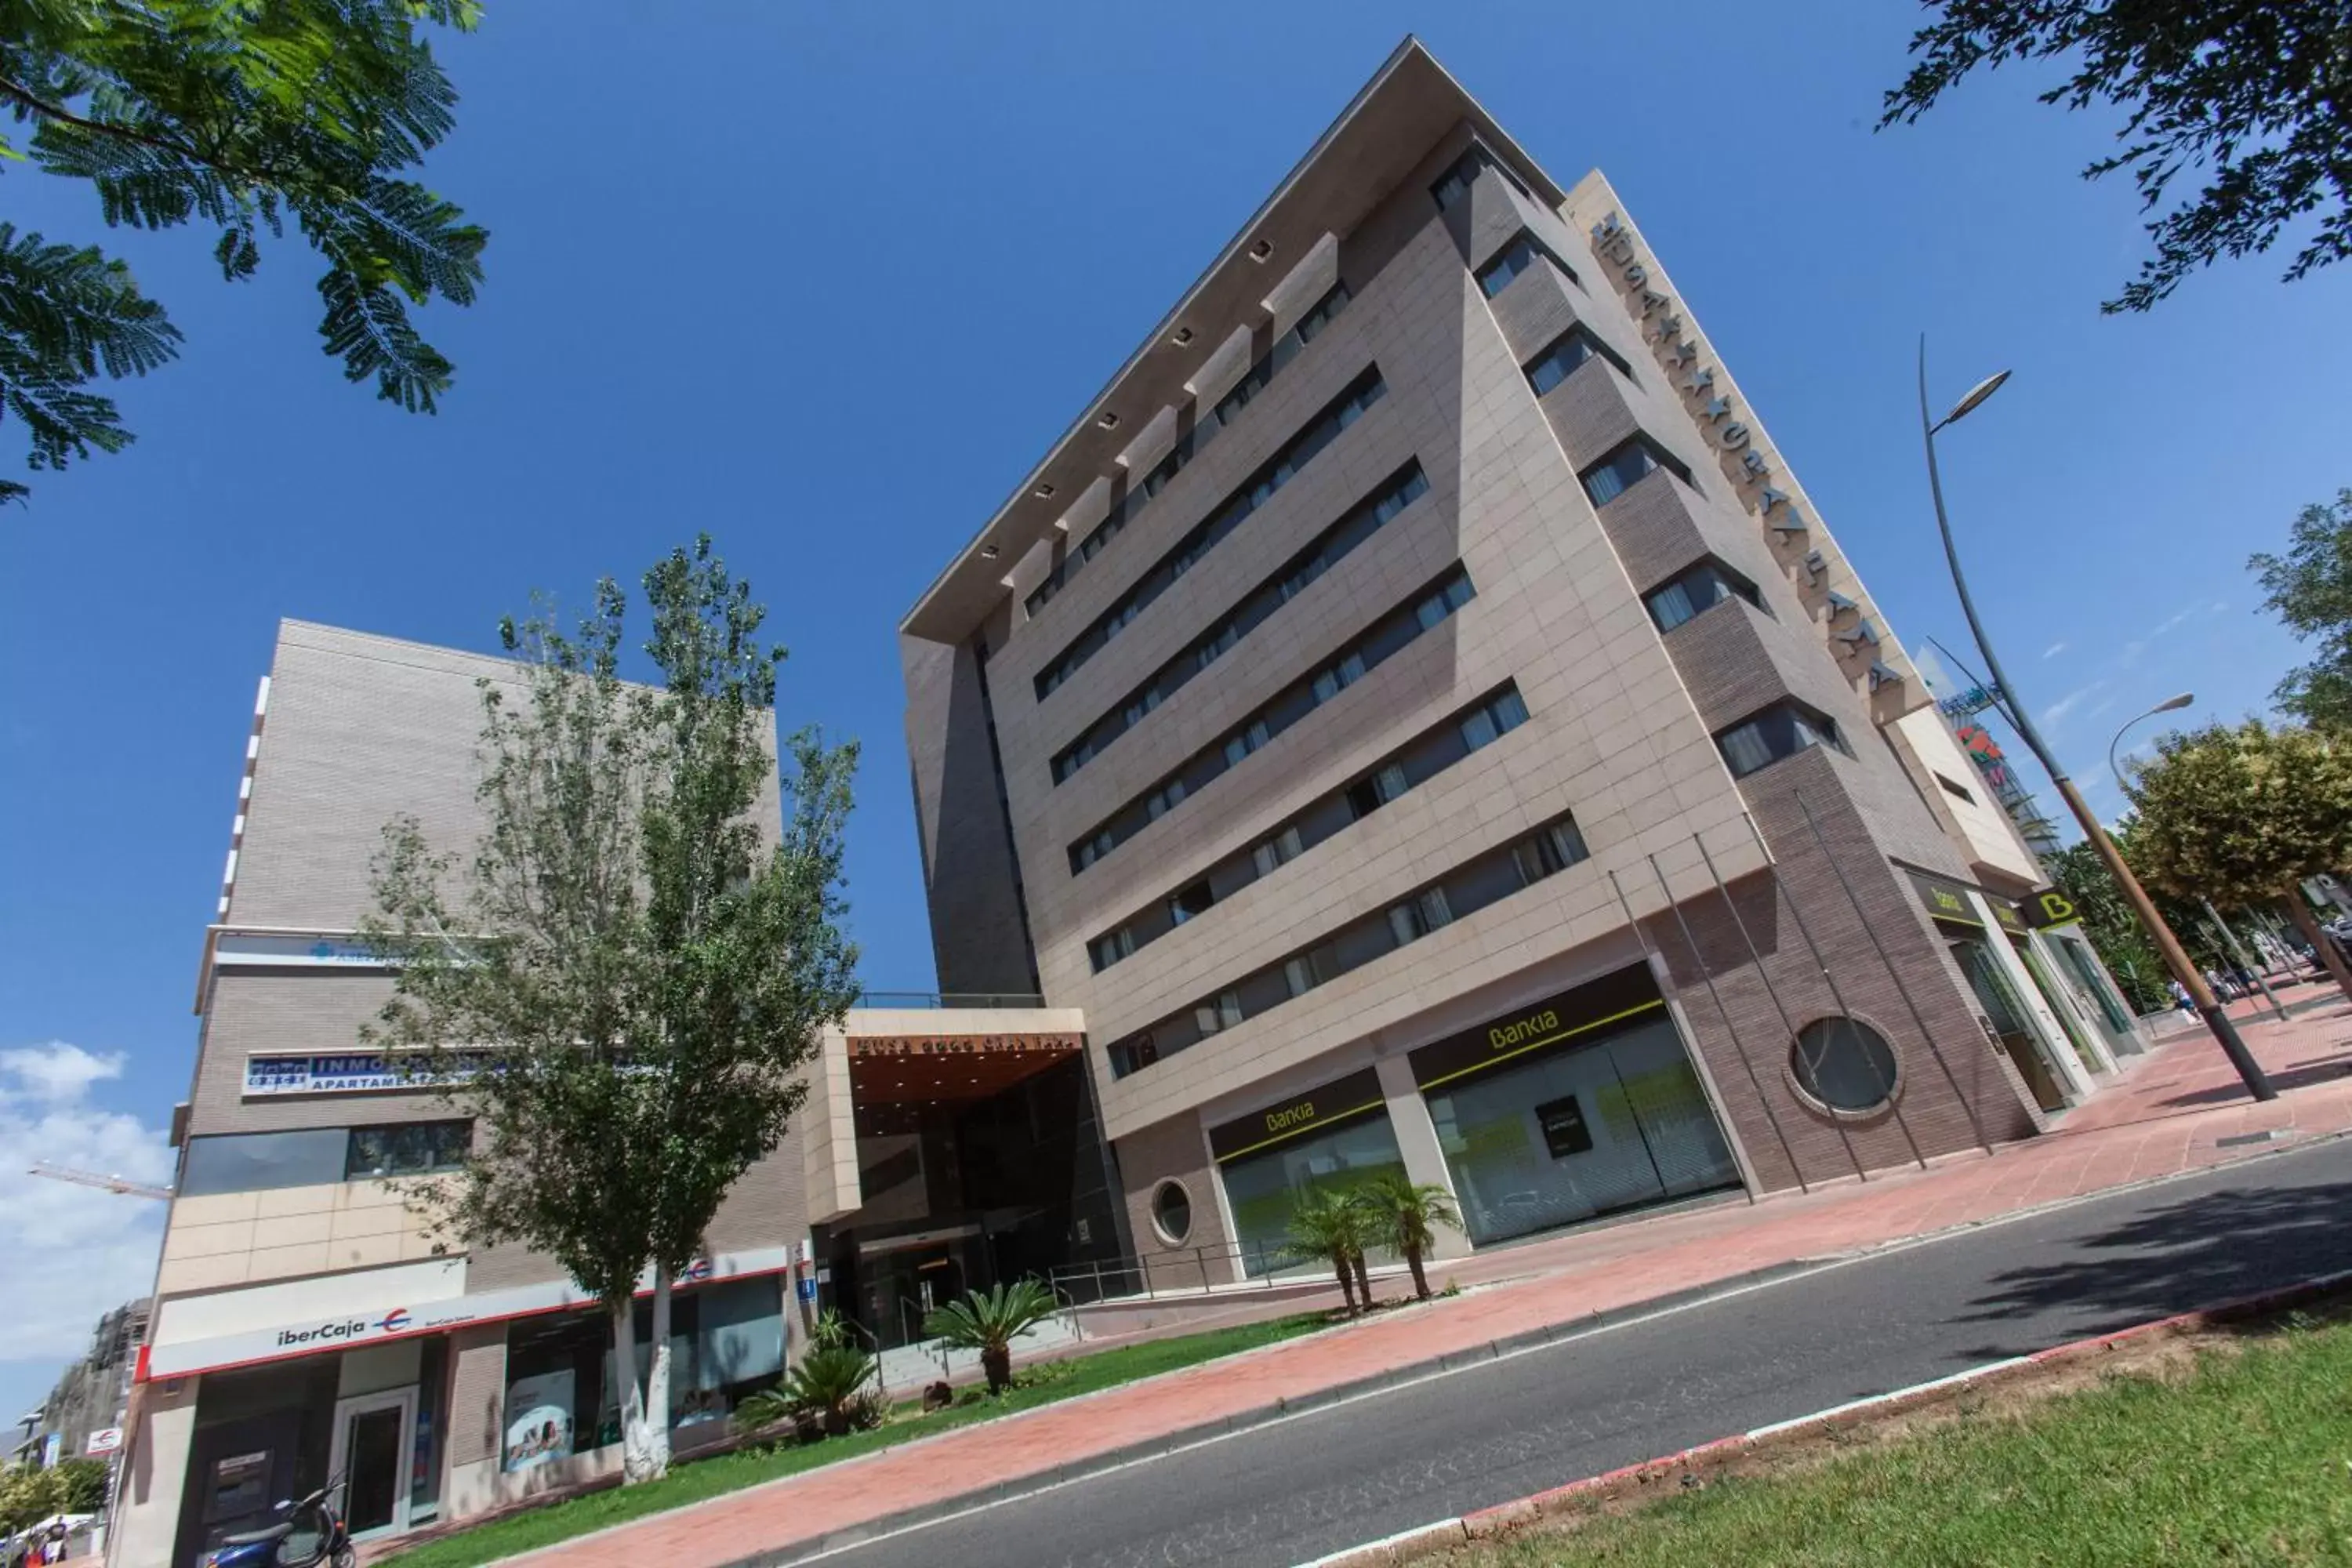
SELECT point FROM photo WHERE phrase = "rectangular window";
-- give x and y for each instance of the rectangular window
(257, 1161)
(1218, 1014)
(1780, 730)
(1352, 664)
(407, 1148)
(1283, 847)
(1259, 376)
(1634, 458)
(1955, 789)
(1455, 182)
(1461, 892)
(1207, 424)
(1497, 719)
(1359, 523)
(1571, 348)
(1105, 950)
(1515, 258)
(1696, 588)
(1251, 494)
(1420, 759)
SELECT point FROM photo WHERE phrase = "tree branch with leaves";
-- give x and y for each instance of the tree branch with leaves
(241, 118)
(2310, 590)
(2255, 96)
(623, 983)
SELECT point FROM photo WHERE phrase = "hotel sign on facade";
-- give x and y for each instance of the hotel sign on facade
(965, 1045)
(1851, 631)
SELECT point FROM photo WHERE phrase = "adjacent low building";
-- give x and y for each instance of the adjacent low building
(309, 1321)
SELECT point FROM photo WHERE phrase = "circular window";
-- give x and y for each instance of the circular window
(1844, 1064)
(1172, 1213)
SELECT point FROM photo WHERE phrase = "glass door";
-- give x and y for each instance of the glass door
(2008, 1020)
(374, 1434)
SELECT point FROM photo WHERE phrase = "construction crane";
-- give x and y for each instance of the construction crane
(121, 1184)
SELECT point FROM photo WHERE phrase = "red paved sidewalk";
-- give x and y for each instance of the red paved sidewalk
(2171, 1112)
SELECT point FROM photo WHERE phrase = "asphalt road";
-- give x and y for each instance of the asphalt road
(1288, 1493)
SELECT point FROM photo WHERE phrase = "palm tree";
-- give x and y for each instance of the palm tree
(1406, 1217)
(990, 1321)
(1325, 1226)
(829, 1384)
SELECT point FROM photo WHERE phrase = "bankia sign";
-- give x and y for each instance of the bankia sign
(1661, 328)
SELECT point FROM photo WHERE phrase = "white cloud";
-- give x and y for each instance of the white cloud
(2055, 714)
(2053, 650)
(76, 1252)
(54, 1072)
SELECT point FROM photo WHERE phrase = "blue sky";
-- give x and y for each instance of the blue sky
(824, 282)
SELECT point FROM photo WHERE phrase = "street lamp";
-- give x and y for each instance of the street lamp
(2200, 993)
(2170, 705)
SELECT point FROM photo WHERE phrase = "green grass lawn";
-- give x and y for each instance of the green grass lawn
(2247, 1460)
(1043, 1384)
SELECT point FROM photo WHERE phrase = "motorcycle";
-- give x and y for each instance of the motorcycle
(312, 1533)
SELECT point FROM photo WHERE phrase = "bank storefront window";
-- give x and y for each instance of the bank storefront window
(1583, 1105)
(561, 1399)
(1335, 1137)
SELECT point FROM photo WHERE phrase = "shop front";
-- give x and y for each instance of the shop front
(365, 1396)
(1335, 1137)
(1583, 1105)
(377, 1417)
(2074, 1015)
(1999, 993)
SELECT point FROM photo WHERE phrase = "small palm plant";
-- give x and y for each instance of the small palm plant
(1406, 1216)
(1326, 1226)
(990, 1321)
(829, 1385)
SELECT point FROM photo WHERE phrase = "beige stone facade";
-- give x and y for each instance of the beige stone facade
(1064, 802)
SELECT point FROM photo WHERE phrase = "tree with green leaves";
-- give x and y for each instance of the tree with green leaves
(624, 984)
(29, 1495)
(1331, 1227)
(241, 118)
(2252, 96)
(2310, 589)
(84, 1482)
(990, 1321)
(2244, 815)
(1406, 1214)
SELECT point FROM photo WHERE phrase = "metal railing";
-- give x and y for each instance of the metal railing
(942, 999)
(873, 1349)
(1190, 1270)
(913, 1326)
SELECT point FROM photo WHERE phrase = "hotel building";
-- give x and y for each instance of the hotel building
(1418, 716)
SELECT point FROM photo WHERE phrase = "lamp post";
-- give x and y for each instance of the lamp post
(2200, 995)
(2170, 705)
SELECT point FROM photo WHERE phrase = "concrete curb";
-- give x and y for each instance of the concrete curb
(1681, 1468)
